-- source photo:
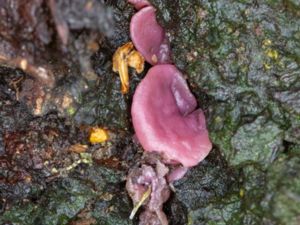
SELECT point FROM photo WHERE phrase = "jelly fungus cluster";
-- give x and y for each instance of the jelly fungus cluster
(166, 120)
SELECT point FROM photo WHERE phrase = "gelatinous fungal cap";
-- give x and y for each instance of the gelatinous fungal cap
(166, 120)
(138, 4)
(149, 37)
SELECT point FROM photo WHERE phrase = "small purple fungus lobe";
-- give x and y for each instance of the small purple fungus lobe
(149, 37)
(166, 120)
(148, 186)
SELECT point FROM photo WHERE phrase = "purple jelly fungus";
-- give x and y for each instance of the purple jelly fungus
(166, 120)
(149, 37)
(138, 4)
(177, 174)
(139, 180)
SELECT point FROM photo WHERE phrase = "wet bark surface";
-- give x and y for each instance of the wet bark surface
(56, 82)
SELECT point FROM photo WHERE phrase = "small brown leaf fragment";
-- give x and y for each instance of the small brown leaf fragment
(84, 221)
(126, 56)
(78, 148)
(136, 60)
(123, 71)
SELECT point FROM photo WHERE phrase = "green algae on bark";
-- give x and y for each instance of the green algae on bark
(242, 59)
(41, 181)
(244, 56)
(66, 198)
(242, 62)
